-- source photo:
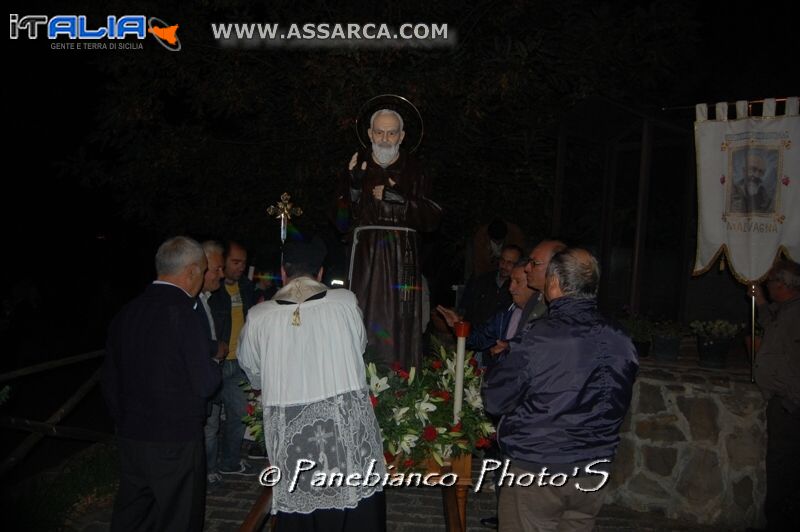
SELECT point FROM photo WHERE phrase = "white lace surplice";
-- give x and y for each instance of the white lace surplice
(315, 395)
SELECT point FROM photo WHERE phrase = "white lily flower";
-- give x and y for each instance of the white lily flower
(473, 397)
(450, 370)
(423, 406)
(377, 385)
(408, 442)
(445, 450)
(399, 413)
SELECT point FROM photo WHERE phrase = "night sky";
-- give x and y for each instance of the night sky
(65, 236)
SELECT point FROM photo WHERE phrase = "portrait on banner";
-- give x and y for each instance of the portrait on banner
(753, 188)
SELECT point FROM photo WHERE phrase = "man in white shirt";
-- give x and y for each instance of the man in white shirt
(219, 349)
(304, 349)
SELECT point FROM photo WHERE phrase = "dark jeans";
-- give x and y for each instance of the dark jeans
(162, 486)
(235, 403)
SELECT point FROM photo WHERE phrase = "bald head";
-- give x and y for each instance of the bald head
(539, 258)
(573, 272)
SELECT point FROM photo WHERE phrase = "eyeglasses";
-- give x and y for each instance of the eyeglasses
(534, 262)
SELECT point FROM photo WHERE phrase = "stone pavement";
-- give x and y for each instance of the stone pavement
(408, 510)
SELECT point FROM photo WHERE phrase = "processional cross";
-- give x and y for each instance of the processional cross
(284, 210)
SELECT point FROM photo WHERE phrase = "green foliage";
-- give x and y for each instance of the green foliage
(715, 328)
(668, 329)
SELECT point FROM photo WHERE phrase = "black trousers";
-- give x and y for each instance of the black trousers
(162, 486)
(368, 516)
(783, 467)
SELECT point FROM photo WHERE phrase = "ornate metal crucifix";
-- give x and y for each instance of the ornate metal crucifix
(284, 210)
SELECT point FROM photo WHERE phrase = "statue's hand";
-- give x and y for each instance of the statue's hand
(356, 171)
(377, 192)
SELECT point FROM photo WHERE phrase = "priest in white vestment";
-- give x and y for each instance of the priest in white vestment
(303, 349)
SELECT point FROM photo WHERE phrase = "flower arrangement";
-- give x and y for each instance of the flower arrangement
(715, 329)
(254, 413)
(415, 411)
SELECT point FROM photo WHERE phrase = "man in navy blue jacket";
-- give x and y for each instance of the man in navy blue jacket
(562, 394)
(157, 377)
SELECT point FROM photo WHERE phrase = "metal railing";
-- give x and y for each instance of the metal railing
(50, 426)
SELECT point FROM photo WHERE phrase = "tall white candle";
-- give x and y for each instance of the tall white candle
(459, 392)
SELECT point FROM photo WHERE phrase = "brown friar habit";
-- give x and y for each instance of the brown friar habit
(386, 274)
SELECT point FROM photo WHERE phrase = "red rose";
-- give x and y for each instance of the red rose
(403, 374)
(473, 362)
(408, 463)
(436, 364)
(483, 443)
(251, 409)
(389, 457)
(443, 394)
(429, 433)
(373, 400)
(456, 427)
(396, 366)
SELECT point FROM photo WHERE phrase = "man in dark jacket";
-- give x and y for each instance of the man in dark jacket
(229, 306)
(157, 376)
(562, 394)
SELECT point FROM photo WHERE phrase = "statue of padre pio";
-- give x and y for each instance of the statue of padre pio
(382, 205)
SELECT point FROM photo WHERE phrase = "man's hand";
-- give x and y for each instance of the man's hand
(222, 350)
(378, 192)
(449, 315)
(498, 348)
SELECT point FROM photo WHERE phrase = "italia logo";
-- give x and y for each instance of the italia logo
(76, 27)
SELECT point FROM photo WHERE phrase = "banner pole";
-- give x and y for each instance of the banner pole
(753, 333)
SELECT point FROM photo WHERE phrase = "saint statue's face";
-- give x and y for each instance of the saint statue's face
(386, 136)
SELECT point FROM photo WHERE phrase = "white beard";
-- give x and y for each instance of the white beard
(385, 155)
(752, 188)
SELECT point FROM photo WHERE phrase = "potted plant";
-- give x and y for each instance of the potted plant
(666, 339)
(714, 341)
(641, 331)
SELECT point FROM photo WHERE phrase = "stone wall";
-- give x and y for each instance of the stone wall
(693, 445)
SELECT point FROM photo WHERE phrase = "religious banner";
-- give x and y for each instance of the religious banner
(748, 187)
